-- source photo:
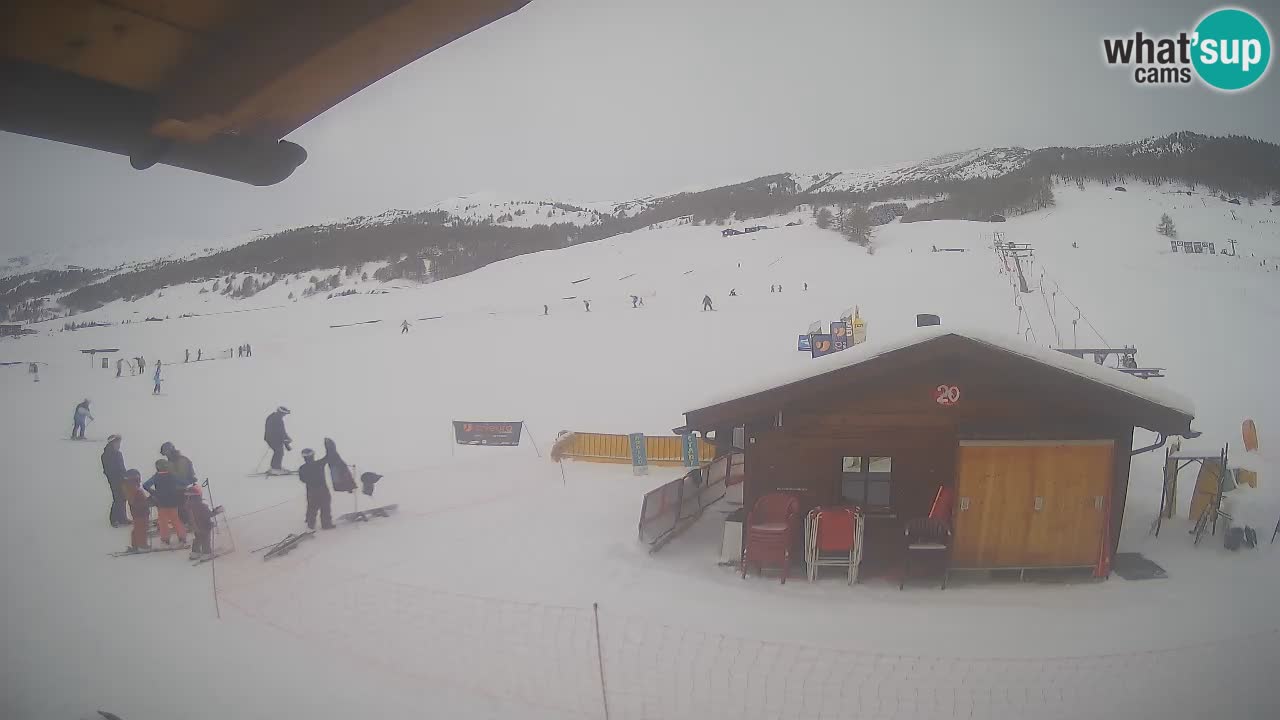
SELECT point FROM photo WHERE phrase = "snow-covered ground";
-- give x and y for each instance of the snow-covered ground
(478, 598)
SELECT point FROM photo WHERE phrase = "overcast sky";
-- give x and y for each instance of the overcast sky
(613, 99)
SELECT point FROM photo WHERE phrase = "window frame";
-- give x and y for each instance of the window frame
(866, 477)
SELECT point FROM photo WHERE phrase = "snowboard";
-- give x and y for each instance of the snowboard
(367, 515)
(289, 542)
(274, 474)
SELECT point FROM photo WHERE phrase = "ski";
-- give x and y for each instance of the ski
(289, 542)
(148, 551)
(367, 515)
(207, 558)
(274, 474)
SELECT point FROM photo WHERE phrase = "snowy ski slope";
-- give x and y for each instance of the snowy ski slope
(476, 599)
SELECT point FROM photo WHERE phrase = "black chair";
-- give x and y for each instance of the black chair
(928, 536)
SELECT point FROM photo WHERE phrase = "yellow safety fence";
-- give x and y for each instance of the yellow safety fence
(605, 448)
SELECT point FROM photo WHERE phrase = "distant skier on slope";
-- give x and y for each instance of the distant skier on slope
(248, 350)
(706, 303)
(733, 292)
(187, 357)
(277, 439)
(635, 301)
(156, 390)
(404, 327)
(120, 366)
(311, 474)
(114, 468)
(81, 416)
(546, 310)
(587, 303)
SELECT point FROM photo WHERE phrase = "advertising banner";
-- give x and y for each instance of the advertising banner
(639, 454)
(839, 336)
(466, 432)
(822, 345)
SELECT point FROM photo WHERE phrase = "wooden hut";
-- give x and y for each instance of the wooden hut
(1034, 444)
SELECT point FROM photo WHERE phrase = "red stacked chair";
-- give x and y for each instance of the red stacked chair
(771, 527)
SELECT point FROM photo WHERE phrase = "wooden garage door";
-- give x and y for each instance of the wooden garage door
(1031, 504)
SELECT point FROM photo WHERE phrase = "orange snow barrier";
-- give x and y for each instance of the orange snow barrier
(663, 450)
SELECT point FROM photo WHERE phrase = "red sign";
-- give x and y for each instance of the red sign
(947, 395)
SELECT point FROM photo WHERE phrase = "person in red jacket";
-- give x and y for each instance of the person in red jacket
(139, 510)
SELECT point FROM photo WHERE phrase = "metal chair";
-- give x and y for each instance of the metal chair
(771, 525)
(833, 538)
(925, 535)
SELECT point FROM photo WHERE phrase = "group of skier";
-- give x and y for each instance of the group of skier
(172, 490)
(311, 473)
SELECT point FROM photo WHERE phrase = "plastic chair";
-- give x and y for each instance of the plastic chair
(771, 525)
(925, 535)
(833, 538)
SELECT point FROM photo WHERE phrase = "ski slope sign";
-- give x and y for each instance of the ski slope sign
(466, 432)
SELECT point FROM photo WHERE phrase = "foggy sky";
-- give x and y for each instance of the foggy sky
(614, 99)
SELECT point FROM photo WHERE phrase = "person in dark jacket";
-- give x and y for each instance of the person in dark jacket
(339, 472)
(311, 473)
(706, 303)
(201, 523)
(114, 468)
(277, 439)
(139, 508)
(167, 496)
(184, 473)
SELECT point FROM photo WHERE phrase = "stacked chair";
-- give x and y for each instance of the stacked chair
(833, 538)
(771, 526)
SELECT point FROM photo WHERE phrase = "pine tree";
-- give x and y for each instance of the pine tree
(1165, 227)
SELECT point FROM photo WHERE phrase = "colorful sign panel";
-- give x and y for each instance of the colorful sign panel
(487, 433)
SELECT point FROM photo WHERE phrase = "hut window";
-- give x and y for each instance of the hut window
(866, 480)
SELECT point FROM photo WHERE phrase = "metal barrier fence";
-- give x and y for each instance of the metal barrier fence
(666, 508)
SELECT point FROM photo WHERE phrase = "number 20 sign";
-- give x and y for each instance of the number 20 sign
(946, 395)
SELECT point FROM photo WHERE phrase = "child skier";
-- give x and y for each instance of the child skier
(166, 495)
(311, 474)
(139, 508)
(201, 524)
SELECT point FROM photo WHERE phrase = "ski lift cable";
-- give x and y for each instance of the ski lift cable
(1079, 312)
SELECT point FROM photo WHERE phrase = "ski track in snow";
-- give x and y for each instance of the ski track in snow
(475, 598)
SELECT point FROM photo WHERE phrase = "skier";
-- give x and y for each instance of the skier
(277, 439)
(779, 287)
(773, 288)
(546, 310)
(641, 302)
(113, 467)
(588, 304)
(120, 366)
(139, 509)
(635, 301)
(79, 418)
(199, 354)
(167, 496)
(733, 292)
(201, 524)
(706, 303)
(156, 390)
(34, 369)
(311, 474)
(187, 357)
(339, 472)
(239, 351)
(404, 327)
(806, 287)
(142, 366)
(248, 350)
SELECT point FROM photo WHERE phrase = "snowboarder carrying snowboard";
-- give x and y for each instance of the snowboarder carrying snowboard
(277, 439)
(311, 474)
(81, 416)
(706, 303)
(339, 471)
(167, 495)
(113, 467)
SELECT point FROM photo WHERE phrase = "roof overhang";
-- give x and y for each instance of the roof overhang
(842, 379)
(208, 85)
